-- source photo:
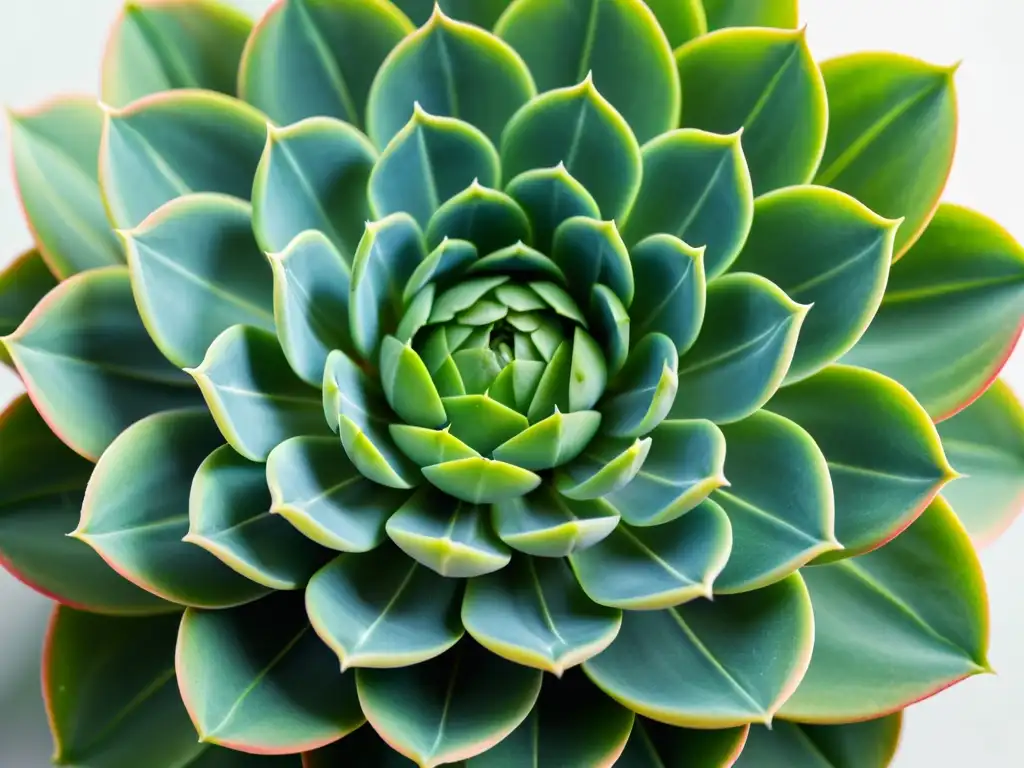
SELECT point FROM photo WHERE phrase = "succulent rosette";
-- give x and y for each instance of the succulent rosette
(502, 383)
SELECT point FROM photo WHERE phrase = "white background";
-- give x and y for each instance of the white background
(54, 46)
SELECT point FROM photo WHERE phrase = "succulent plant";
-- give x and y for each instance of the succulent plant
(502, 383)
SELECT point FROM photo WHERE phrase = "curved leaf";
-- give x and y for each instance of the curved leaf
(481, 422)
(135, 512)
(198, 251)
(160, 46)
(681, 20)
(42, 483)
(408, 387)
(780, 502)
(891, 136)
(984, 441)
(89, 365)
(551, 442)
(606, 465)
(742, 13)
(257, 679)
(577, 128)
(870, 744)
(446, 262)
(707, 664)
(451, 708)
(951, 314)
(333, 47)
(776, 95)
(549, 196)
(489, 219)
(640, 397)
(480, 480)
(55, 154)
(744, 350)
(695, 186)
(23, 284)
(253, 395)
(826, 250)
(896, 625)
(492, 82)
(883, 453)
(174, 143)
(654, 745)
(647, 569)
(670, 281)
(313, 175)
(546, 524)
(619, 41)
(362, 747)
(610, 324)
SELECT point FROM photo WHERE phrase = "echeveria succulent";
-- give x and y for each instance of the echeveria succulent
(501, 383)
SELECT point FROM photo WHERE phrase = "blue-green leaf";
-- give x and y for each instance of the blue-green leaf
(549, 196)
(547, 524)
(670, 282)
(643, 392)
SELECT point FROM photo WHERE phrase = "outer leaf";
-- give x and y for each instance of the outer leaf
(776, 95)
(605, 466)
(741, 13)
(198, 252)
(230, 517)
(23, 284)
(383, 610)
(42, 483)
(952, 312)
(246, 667)
(135, 512)
(653, 745)
(546, 524)
(534, 613)
(744, 350)
(408, 387)
(709, 664)
(576, 127)
(824, 249)
(450, 708)
(446, 262)
(333, 47)
(883, 453)
(492, 82)
(670, 279)
(159, 46)
(480, 480)
(780, 502)
(89, 365)
(253, 395)
(891, 136)
(610, 323)
(923, 593)
(695, 186)
(646, 569)
(590, 252)
(313, 175)
(489, 219)
(870, 744)
(984, 441)
(174, 143)
(550, 196)
(363, 747)
(316, 488)
(619, 41)
(642, 394)
(681, 20)
(551, 735)
(483, 13)
(55, 151)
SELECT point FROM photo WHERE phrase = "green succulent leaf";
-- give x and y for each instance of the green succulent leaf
(951, 314)
(653, 568)
(670, 277)
(450, 708)
(896, 625)
(984, 442)
(744, 350)
(869, 744)
(244, 668)
(551, 442)
(89, 365)
(534, 613)
(479, 480)
(198, 251)
(681, 20)
(408, 387)
(884, 455)
(654, 745)
(721, 14)
(486, 217)
(546, 524)
(575, 127)
(136, 511)
(23, 284)
(892, 130)
(158, 46)
(481, 422)
(549, 196)
(779, 502)
(175, 143)
(445, 263)
(483, 13)
(313, 175)
(55, 152)
(521, 261)
(551, 735)
(361, 747)
(695, 186)
(643, 392)
(333, 47)
(706, 664)
(619, 41)
(42, 483)
(610, 323)
(383, 610)
(451, 69)
(606, 465)
(256, 399)
(230, 517)
(776, 95)
(823, 249)
(429, 446)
